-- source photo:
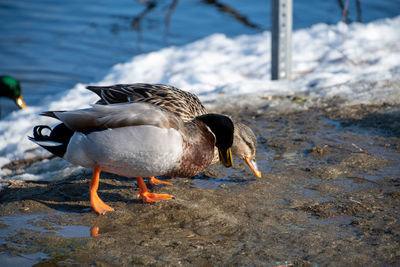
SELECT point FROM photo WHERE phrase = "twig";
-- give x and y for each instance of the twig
(359, 148)
(171, 9)
(12, 182)
(362, 179)
(349, 150)
(358, 6)
(345, 11)
(343, 54)
(227, 9)
(344, 8)
(137, 20)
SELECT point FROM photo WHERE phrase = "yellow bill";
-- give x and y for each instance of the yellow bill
(20, 102)
(226, 157)
(253, 165)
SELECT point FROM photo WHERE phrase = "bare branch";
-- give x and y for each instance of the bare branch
(227, 9)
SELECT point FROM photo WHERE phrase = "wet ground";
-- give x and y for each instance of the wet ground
(329, 196)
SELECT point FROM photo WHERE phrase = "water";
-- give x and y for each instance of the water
(26, 225)
(21, 259)
(36, 222)
(52, 45)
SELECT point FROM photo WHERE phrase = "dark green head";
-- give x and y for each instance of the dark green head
(10, 87)
(223, 128)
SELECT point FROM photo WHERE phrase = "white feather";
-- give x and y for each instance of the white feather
(47, 143)
(135, 151)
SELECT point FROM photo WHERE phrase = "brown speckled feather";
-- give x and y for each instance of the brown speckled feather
(186, 105)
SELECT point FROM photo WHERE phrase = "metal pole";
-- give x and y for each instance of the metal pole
(281, 39)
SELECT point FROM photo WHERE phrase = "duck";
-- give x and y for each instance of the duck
(186, 105)
(136, 140)
(11, 88)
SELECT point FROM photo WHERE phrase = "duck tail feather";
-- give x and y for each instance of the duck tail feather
(95, 89)
(49, 114)
(55, 140)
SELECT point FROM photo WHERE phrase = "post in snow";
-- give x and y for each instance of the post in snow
(281, 39)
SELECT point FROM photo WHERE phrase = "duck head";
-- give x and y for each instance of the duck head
(223, 129)
(10, 88)
(245, 146)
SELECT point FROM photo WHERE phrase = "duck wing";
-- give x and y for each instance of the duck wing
(184, 104)
(101, 117)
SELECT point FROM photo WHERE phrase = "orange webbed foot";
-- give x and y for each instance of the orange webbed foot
(147, 196)
(98, 205)
(152, 197)
(155, 181)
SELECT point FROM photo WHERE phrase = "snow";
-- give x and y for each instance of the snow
(358, 63)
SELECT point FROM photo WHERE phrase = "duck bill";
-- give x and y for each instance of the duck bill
(253, 166)
(226, 157)
(20, 102)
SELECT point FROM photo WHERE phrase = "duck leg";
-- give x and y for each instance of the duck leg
(98, 205)
(149, 197)
(155, 181)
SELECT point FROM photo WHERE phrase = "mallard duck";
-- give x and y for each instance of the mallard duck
(10, 88)
(184, 104)
(136, 140)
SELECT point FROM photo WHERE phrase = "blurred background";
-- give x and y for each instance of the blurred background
(50, 46)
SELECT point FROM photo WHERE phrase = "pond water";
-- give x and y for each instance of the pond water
(52, 45)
